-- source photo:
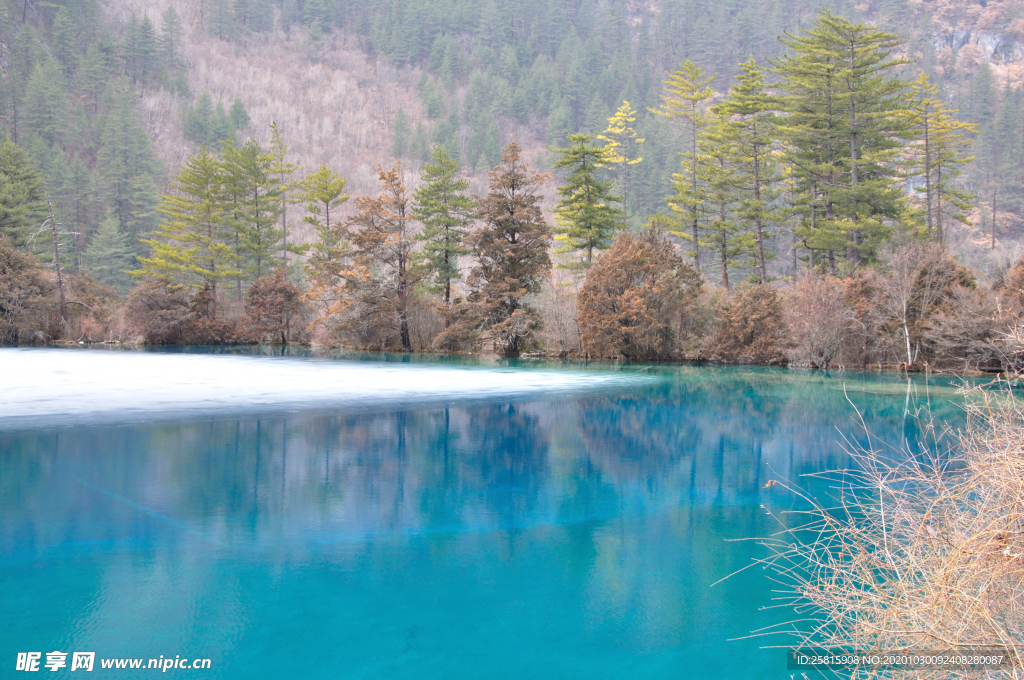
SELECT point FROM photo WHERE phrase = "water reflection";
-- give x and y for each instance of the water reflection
(564, 538)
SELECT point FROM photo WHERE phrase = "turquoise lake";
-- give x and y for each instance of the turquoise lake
(423, 520)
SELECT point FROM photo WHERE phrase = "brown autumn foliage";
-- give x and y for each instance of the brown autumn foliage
(634, 298)
(749, 327)
(273, 309)
(162, 313)
(26, 298)
(158, 312)
(818, 318)
(95, 311)
(511, 250)
(382, 243)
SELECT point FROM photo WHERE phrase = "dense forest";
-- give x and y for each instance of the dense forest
(752, 184)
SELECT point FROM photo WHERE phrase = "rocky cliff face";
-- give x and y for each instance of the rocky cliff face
(965, 34)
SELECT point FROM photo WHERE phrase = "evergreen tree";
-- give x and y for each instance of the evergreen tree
(46, 103)
(146, 50)
(446, 214)
(844, 127)
(750, 135)
(96, 74)
(171, 36)
(110, 256)
(221, 127)
(64, 42)
(328, 267)
(282, 170)
(221, 21)
(511, 250)
(24, 49)
(256, 207)
(128, 168)
(400, 134)
(198, 120)
(323, 191)
(586, 217)
(685, 95)
(937, 157)
(622, 149)
(239, 116)
(192, 245)
(22, 197)
(723, 235)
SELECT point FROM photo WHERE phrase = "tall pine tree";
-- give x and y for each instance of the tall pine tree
(446, 213)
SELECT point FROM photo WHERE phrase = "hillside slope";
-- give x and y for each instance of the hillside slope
(353, 82)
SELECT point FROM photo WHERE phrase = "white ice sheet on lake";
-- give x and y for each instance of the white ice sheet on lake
(47, 387)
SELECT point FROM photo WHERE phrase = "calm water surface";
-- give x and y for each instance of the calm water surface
(558, 523)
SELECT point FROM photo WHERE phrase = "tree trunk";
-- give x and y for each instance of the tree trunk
(56, 265)
(403, 306)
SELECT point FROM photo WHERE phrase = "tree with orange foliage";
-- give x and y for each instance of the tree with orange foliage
(382, 241)
(633, 298)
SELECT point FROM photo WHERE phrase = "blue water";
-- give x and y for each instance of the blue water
(567, 533)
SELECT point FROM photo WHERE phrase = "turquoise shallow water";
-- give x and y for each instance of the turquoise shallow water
(565, 534)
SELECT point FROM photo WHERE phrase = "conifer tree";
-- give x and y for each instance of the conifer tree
(723, 235)
(685, 96)
(239, 116)
(282, 170)
(64, 42)
(256, 207)
(95, 75)
(845, 126)
(446, 214)
(128, 168)
(749, 137)
(199, 120)
(46, 102)
(511, 249)
(400, 134)
(22, 197)
(587, 219)
(110, 256)
(171, 35)
(382, 248)
(146, 51)
(937, 157)
(220, 21)
(192, 244)
(622, 148)
(323, 192)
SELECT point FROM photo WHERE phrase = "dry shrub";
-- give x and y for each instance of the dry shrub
(860, 346)
(634, 299)
(272, 305)
(919, 552)
(819, 319)
(749, 327)
(966, 333)
(162, 313)
(158, 312)
(920, 283)
(560, 330)
(425, 321)
(26, 298)
(94, 310)
(1012, 286)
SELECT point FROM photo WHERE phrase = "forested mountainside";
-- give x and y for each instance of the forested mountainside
(206, 144)
(351, 83)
